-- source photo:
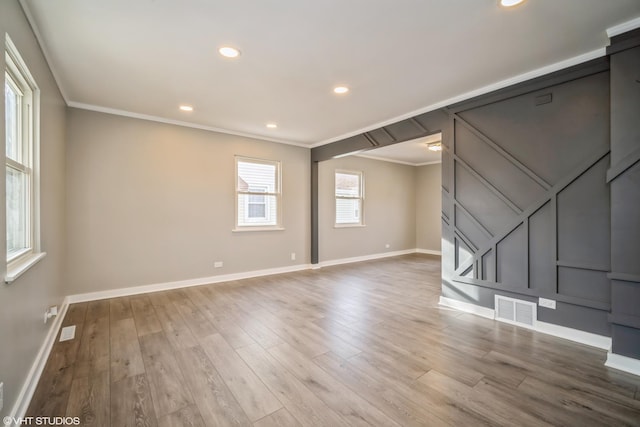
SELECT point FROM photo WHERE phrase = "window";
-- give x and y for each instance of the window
(257, 194)
(257, 203)
(349, 198)
(21, 96)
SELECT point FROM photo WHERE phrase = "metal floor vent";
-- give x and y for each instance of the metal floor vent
(515, 311)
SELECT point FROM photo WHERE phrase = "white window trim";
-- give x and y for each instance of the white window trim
(18, 265)
(251, 228)
(336, 197)
(354, 225)
(278, 195)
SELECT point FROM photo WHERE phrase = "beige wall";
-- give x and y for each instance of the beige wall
(389, 209)
(22, 330)
(153, 203)
(128, 202)
(429, 207)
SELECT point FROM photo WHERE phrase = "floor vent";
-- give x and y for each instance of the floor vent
(515, 311)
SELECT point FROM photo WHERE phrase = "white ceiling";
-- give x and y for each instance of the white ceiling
(413, 153)
(400, 57)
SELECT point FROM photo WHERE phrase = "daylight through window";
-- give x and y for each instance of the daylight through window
(349, 198)
(21, 149)
(257, 193)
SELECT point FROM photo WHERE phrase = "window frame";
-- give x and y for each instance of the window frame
(17, 76)
(277, 194)
(360, 198)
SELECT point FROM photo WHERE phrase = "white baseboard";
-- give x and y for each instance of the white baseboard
(623, 363)
(467, 307)
(428, 252)
(145, 289)
(21, 405)
(366, 257)
(576, 335)
(616, 361)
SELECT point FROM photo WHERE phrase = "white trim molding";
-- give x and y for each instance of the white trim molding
(467, 307)
(145, 289)
(158, 119)
(623, 28)
(384, 159)
(400, 162)
(437, 162)
(17, 269)
(623, 363)
(428, 252)
(44, 48)
(576, 335)
(21, 405)
(373, 256)
(365, 257)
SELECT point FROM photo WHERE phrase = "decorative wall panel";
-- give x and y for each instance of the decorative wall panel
(530, 198)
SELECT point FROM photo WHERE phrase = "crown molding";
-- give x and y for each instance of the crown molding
(43, 48)
(158, 119)
(624, 27)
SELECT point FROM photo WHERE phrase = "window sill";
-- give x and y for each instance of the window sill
(19, 267)
(348, 225)
(244, 229)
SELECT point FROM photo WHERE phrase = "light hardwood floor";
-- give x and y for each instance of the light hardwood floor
(360, 344)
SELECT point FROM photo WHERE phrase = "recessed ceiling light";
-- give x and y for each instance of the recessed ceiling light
(186, 108)
(272, 125)
(340, 89)
(229, 52)
(435, 146)
(510, 3)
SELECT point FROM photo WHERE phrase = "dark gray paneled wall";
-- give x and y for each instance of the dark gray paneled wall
(624, 180)
(530, 203)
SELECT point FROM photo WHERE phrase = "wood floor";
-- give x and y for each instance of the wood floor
(360, 344)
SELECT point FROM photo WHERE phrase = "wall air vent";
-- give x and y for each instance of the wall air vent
(516, 312)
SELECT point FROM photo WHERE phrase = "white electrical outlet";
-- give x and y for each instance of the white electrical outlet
(1, 396)
(218, 264)
(51, 311)
(293, 256)
(548, 303)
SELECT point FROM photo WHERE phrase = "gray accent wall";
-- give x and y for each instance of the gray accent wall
(529, 201)
(22, 330)
(624, 180)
